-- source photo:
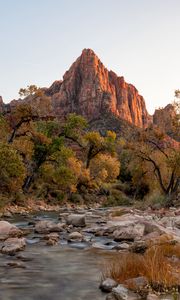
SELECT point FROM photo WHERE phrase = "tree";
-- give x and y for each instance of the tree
(162, 156)
(104, 168)
(62, 170)
(4, 128)
(21, 115)
(95, 144)
(12, 170)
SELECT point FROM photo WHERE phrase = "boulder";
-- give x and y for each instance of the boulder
(12, 245)
(76, 220)
(107, 285)
(130, 232)
(121, 246)
(75, 237)
(139, 247)
(48, 226)
(8, 230)
(122, 293)
(177, 222)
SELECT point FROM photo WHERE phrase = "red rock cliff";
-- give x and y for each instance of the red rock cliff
(89, 89)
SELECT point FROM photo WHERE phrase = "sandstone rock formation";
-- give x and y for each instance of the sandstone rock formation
(89, 89)
(165, 119)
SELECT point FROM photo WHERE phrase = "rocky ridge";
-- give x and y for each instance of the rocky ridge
(89, 89)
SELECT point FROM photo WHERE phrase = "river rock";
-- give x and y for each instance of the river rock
(139, 247)
(121, 246)
(107, 285)
(129, 232)
(48, 226)
(8, 230)
(7, 214)
(75, 237)
(122, 293)
(52, 238)
(177, 222)
(12, 245)
(76, 220)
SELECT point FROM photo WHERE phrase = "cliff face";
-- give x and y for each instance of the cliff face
(89, 89)
(165, 119)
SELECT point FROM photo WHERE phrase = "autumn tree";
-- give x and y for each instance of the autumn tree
(96, 144)
(61, 170)
(104, 168)
(162, 157)
(12, 170)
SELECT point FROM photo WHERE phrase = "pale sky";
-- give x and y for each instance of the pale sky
(138, 39)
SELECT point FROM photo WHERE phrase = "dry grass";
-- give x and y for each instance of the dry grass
(160, 265)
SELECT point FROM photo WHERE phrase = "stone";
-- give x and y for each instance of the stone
(121, 246)
(76, 220)
(107, 285)
(75, 237)
(48, 226)
(12, 245)
(52, 238)
(8, 230)
(129, 232)
(52, 235)
(7, 214)
(51, 242)
(164, 119)
(122, 293)
(177, 222)
(139, 247)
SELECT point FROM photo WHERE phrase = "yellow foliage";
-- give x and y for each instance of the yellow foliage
(104, 167)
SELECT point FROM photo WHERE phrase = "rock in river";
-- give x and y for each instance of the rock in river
(8, 230)
(48, 226)
(107, 285)
(76, 220)
(75, 237)
(12, 245)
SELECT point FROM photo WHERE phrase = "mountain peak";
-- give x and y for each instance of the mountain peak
(88, 51)
(89, 89)
(92, 91)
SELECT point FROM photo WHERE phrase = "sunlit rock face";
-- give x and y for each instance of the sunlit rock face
(89, 89)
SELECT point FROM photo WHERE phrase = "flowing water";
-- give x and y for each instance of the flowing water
(52, 273)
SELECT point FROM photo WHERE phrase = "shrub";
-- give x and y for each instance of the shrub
(76, 198)
(117, 198)
(158, 265)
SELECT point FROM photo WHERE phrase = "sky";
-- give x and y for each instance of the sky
(138, 39)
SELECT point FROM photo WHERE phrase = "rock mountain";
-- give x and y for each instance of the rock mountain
(89, 89)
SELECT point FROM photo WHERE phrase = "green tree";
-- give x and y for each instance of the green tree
(96, 144)
(12, 170)
(104, 168)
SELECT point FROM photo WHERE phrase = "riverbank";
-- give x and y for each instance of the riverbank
(82, 232)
